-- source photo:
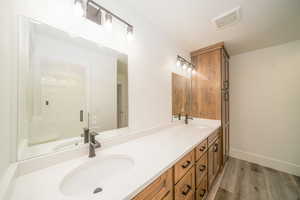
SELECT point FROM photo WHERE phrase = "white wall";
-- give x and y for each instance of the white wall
(152, 57)
(5, 70)
(265, 106)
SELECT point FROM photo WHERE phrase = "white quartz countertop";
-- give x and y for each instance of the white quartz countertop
(152, 155)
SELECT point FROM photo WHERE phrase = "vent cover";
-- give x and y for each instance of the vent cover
(227, 19)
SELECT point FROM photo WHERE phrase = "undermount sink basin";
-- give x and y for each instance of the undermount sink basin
(91, 177)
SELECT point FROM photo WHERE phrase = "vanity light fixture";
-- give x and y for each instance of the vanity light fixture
(129, 33)
(80, 8)
(182, 62)
(108, 21)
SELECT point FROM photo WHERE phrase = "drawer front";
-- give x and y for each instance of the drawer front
(213, 137)
(201, 191)
(160, 189)
(184, 189)
(201, 169)
(201, 149)
(183, 165)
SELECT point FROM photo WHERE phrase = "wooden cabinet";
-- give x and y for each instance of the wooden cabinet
(160, 189)
(201, 149)
(210, 90)
(202, 190)
(192, 176)
(214, 160)
(184, 189)
(180, 94)
(183, 165)
(201, 169)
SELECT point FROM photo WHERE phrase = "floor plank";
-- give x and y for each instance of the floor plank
(243, 180)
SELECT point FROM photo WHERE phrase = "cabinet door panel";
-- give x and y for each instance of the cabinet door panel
(160, 189)
(210, 165)
(185, 188)
(201, 169)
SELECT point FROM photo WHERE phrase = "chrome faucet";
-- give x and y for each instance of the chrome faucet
(186, 120)
(94, 144)
(90, 137)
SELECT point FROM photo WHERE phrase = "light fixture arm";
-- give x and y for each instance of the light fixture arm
(182, 59)
(107, 11)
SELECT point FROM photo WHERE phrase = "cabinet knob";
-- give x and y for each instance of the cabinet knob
(186, 190)
(202, 168)
(202, 148)
(203, 191)
(186, 164)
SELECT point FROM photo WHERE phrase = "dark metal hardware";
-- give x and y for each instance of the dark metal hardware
(187, 163)
(216, 148)
(81, 115)
(226, 96)
(47, 103)
(202, 148)
(94, 144)
(203, 193)
(86, 135)
(226, 84)
(202, 168)
(187, 190)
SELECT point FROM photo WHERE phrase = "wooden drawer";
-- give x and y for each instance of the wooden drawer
(201, 149)
(201, 192)
(201, 169)
(213, 137)
(183, 165)
(184, 189)
(160, 189)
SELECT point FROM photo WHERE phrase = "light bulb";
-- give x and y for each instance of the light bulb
(178, 63)
(108, 21)
(184, 66)
(78, 9)
(189, 69)
(194, 71)
(129, 33)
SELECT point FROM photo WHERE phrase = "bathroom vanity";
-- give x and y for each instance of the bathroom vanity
(175, 162)
(192, 177)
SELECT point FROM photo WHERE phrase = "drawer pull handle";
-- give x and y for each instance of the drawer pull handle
(203, 193)
(216, 148)
(187, 163)
(187, 190)
(202, 148)
(202, 168)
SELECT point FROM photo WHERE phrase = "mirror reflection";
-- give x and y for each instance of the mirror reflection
(67, 83)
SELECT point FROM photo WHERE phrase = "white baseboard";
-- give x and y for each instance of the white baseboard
(279, 165)
(7, 181)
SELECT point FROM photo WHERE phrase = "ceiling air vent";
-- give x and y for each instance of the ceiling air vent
(227, 19)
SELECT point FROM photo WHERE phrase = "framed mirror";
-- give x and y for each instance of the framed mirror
(66, 83)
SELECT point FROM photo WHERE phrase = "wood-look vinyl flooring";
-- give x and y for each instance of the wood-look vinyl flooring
(243, 180)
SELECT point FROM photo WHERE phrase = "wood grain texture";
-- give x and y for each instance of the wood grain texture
(220, 45)
(185, 188)
(201, 169)
(201, 149)
(206, 86)
(160, 189)
(249, 181)
(180, 94)
(183, 165)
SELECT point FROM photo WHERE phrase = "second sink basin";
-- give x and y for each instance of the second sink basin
(91, 177)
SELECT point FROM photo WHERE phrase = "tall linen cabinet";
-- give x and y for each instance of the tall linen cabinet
(210, 89)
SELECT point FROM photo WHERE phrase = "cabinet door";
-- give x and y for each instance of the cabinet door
(225, 143)
(160, 189)
(217, 156)
(210, 165)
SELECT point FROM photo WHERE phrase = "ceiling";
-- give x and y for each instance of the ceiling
(263, 22)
